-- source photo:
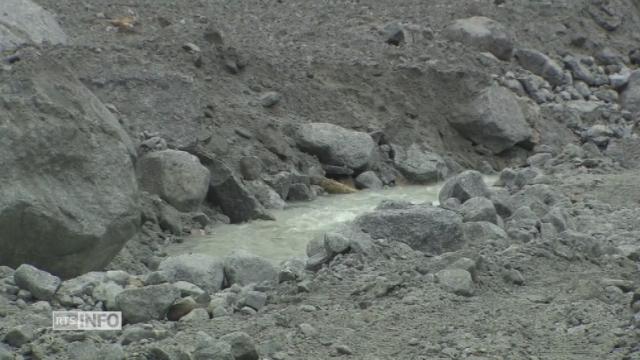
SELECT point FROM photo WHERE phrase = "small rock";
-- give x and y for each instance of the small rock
(456, 281)
(368, 180)
(242, 346)
(270, 99)
(41, 284)
(394, 34)
(204, 271)
(291, 270)
(196, 315)
(255, 299)
(218, 350)
(336, 243)
(181, 308)
(146, 303)
(343, 349)
(19, 336)
(189, 289)
(244, 268)
(479, 209)
(191, 47)
(308, 330)
(250, 167)
(513, 276)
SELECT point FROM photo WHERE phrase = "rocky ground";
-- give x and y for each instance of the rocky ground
(127, 126)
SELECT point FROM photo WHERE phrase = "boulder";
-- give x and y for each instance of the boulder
(176, 176)
(24, 22)
(242, 346)
(456, 281)
(625, 151)
(630, 97)
(229, 192)
(244, 268)
(426, 228)
(146, 303)
(250, 167)
(268, 197)
(67, 203)
(107, 293)
(41, 284)
(204, 271)
(494, 120)
(485, 233)
(280, 182)
(335, 145)
(541, 65)
(368, 180)
(482, 33)
(419, 166)
(479, 209)
(218, 350)
(464, 186)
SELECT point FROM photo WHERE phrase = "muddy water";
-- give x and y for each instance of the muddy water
(299, 223)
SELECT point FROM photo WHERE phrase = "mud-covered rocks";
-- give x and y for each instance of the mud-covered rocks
(146, 303)
(176, 176)
(418, 165)
(228, 191)
(483, 33)
(41, 284)
(541, 65)
(478, 209)
(244, 268)
(464, 186)
(24, 22)
(493, 119)
(426, 228)
(335, 145)
(67, 203)
(204, 271)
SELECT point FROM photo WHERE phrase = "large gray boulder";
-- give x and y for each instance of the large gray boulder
(69, 197)
(176, 176)
(482, 33)
(630, 97)
(426, 228)
(493, 119)
(464, 186)
(541, 65)
(335, 145)
(244, 268)
(419, 166)
(24, 22)
(146, 303)
(205, 271)
(229, 192)
(479, 209)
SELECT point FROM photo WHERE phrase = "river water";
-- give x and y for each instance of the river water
(298, 223)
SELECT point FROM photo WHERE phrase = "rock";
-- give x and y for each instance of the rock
(625, 151)
(228, 192)
(418, 166)
(619, 80)
(204, 271)
(137, 333)
(308, 330)
(250, 167)
(513, 276)
(479, 209)
(242, 346)
(300, 192)
(218, 350)
(368, 180)
(5, 354)
(422, 227)
(482, 33)
(107, 293)
(23, 22)
(181, 308)
(342, 349)
(630, 97)
(393, 34)
(464, 186)
(539, 160)
(580, 71)
(280, 182)
(176, 176)
(189, 289)
(270, 99)
(244, 268)
(19, 335)
(456, 281)
(81, 204)
(291, 270)
(146, 303)
(317, 254)
(268, 197)
(41, 284)
(485, 233)
(608, 56)
(334, 187)
(336, 243)
(255, 300)
(335, 145)
(541, 65)
(494, 120)
(634, 56)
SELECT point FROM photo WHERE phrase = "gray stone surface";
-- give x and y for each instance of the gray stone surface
(336, 145)
(204, 271)
(41, 284)
(464, 186)
(483, 33)
(456, 281)
(176, 176)
(146, 303)
(24, 22)
(425, 228)
(244, 268)
(67, 204)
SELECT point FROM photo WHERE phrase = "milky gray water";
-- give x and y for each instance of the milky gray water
(297, 224)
